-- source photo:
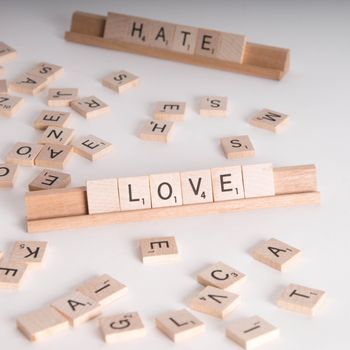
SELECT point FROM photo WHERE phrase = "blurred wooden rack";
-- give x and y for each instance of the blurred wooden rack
(259, 60)
(67, 208)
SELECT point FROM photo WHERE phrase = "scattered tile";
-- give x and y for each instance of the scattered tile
(124, 326)
(215, 302)
(179, 325)
(221, 276)
(104, 289)
(121, 81)
(159, 249)
(301, 299)
(251, 332)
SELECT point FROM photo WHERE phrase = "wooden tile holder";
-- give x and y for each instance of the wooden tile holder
(67, 208)
(259, 60)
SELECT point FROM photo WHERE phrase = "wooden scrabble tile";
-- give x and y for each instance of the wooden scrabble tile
(127, 28)
(158, 249)
(9, 105)
(251, 332)
(49, 179)
(165, 190)
(104, 289)
(122, 327)
(117, 26)
(221, 276)
(170, 111)
(196, 187)
(134, 193)
(157, 131)
(269, 120)
(89, 107)
(40, 324)
(236, 147)
(23, 153)
(231, 47)
(161, 34)
(11, 274)
(185, 39)
(7, 53)
(301, 299)
(8, 175)
(227, 183)
(276, 254)
(1, 255)
(102, 196)
(258, 180)
(62, 97)
(121, 81)
(47, 71)
(138, 31)
(54, 156)
(51, 118)
(30, 252)
(213, 106)
(179, 325)
(91, 147)
(77, 308)
(29, 84)
(55, 135)
(3, 87)
(215, 302)
(207, 42)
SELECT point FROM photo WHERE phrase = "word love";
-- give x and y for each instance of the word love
(176, 189)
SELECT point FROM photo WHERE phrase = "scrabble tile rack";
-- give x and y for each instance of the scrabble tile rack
(67, 208)
(259, 60)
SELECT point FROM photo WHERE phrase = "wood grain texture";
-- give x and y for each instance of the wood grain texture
(258, 60)
(42, 323)
(67, 208)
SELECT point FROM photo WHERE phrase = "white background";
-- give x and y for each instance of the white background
(315, 93)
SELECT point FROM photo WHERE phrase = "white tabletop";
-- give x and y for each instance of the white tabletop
(315, 93)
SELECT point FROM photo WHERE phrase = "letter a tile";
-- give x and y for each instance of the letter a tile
(7, 53)
(29, 84)
(159, 249)
(10, 105)
(77, 308)
(301, 299)
(275, 254)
